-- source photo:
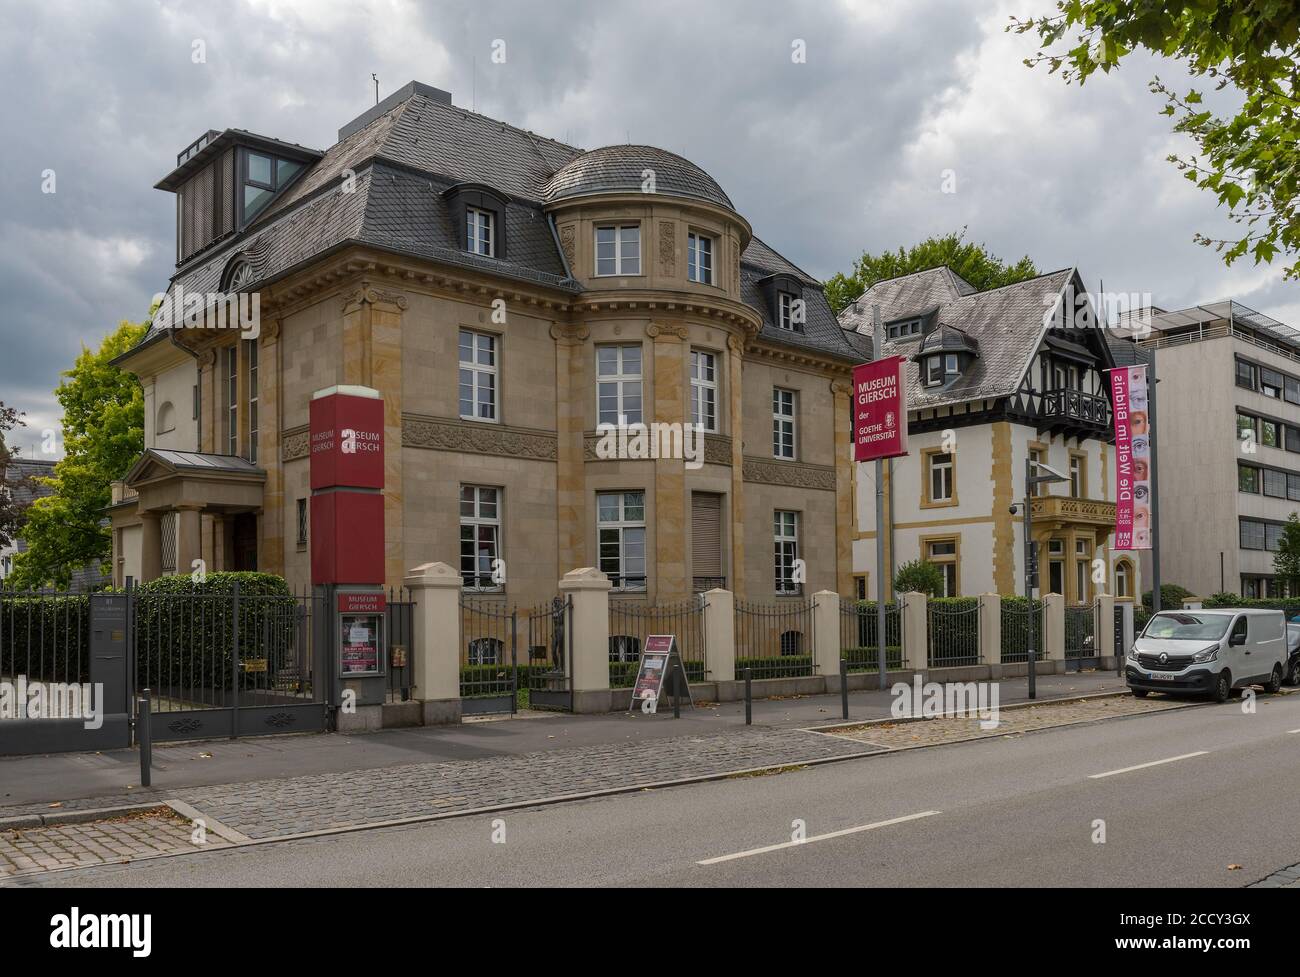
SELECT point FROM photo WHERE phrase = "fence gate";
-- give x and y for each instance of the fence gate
(489, 662)
(231, 664)
(1081, 637)
(550, 655)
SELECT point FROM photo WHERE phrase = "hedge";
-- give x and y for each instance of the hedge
(867, 659)
(45, 637)
(1015, 628)
(1289, 605)
(184, 630)
(784, 666)
(953, 640)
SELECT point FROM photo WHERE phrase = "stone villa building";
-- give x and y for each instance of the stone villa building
(994, 378)
(505, 294)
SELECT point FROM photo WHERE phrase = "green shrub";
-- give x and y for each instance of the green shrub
(46, 638)
(185, 630)
(918, 575)
(1289, 605)
(1171, 596)
(953, 634)
(866, 659)
(785, 666)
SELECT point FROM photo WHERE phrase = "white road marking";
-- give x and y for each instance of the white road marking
(808, 841)
(1143, 766)
(1293, 730)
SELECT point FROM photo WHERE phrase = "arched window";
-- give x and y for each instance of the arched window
(166, 418)
(792, 643)
(485, 651)
(1123, 579)
(624, 648)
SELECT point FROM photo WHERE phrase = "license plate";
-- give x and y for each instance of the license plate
(1163, 676)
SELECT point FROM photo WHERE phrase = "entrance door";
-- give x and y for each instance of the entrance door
(245, 541)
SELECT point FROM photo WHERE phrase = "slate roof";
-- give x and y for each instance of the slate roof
(191, 461)
(402, 159)
(620, 168)
(23, 472)
(947, 339)
(1007, 324)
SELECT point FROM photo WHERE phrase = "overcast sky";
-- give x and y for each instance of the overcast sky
(827, 158)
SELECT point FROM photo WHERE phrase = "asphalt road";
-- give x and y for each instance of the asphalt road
(1010, 811)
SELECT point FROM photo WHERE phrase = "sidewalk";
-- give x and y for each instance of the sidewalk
(82, 780)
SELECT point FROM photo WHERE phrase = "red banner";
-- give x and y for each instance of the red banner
(1128, 390)
(880, 409)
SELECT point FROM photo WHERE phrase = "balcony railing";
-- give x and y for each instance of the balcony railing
(1073, 408)
(1064, 509)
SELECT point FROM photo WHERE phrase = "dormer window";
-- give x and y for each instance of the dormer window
(480, 232)
(264, 177)
(790, 309)
(904, 329)
(941, 369)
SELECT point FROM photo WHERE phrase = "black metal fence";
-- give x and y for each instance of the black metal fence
(401, 645)
(489, 655)
(203, 650)
(44, 637)
(550, 654)
(1081, 635)
(774, 640)
(631, 622)
(858, 635)
(953, 633)
(1016, 621)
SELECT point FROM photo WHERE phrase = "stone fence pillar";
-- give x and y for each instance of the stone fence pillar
(826, 637)
(916, 631)
(589, 669)
(720, 636)
(990, 618)
(1053, 639)
(435, 644)
(1104, 632)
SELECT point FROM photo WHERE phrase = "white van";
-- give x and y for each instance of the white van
(1209, 652)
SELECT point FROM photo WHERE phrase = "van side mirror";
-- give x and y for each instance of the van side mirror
(1236, 640)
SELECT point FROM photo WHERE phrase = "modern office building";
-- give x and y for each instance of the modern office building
(995, 378)
(1228, 445)
(507, 295)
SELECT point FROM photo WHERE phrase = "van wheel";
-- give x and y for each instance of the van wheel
(1222, 687)
(1274, 683)
(1140, 693)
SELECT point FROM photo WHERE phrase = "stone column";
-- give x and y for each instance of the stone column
(150, 546)
(669, 575)
(735, 425)
(1052, 642)
(589, 667)
(189, 542)
(1105, 630)
(720, 636)
(826, 637)
(435, 643)
(916, 631)
(271, 527)
(218, 542)
(991, 631)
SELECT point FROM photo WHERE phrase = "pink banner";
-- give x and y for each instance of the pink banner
(1128, 388)
(880, 409)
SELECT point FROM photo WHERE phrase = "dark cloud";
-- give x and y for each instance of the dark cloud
(826, 158)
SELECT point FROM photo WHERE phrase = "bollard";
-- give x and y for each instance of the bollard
(844, 687)
(749, 698)
(146, 742)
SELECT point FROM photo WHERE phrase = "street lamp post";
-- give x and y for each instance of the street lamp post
(1031, 556)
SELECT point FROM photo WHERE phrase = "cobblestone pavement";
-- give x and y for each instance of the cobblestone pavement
(934, 732)
(61, 846)
(1286, 878)
(273, 808)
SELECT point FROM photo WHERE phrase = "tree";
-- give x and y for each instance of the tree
(921, 576)
(1171, 597)
(1250, 160)
(1286, 561)
(103, 433)
(11, 510)
(974, 262)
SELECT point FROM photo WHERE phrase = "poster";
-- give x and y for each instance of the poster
(880, 409)
(360, 643)
(1128, 387)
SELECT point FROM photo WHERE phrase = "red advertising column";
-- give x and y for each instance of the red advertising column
(347, 481)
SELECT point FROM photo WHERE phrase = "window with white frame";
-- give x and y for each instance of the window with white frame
(480, 536)
(699, 258)
(785, 550)
(943, 554)
(704, 390)
(232, 400)
(251, 347)
(618, 249)
(480, 232)
(478, 376)
(618, 384)
(620, 527)
(1123, 579)
(783, 421)
(786, 320)
(940, 476)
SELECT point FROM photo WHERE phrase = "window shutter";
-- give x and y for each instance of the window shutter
(706, 534)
